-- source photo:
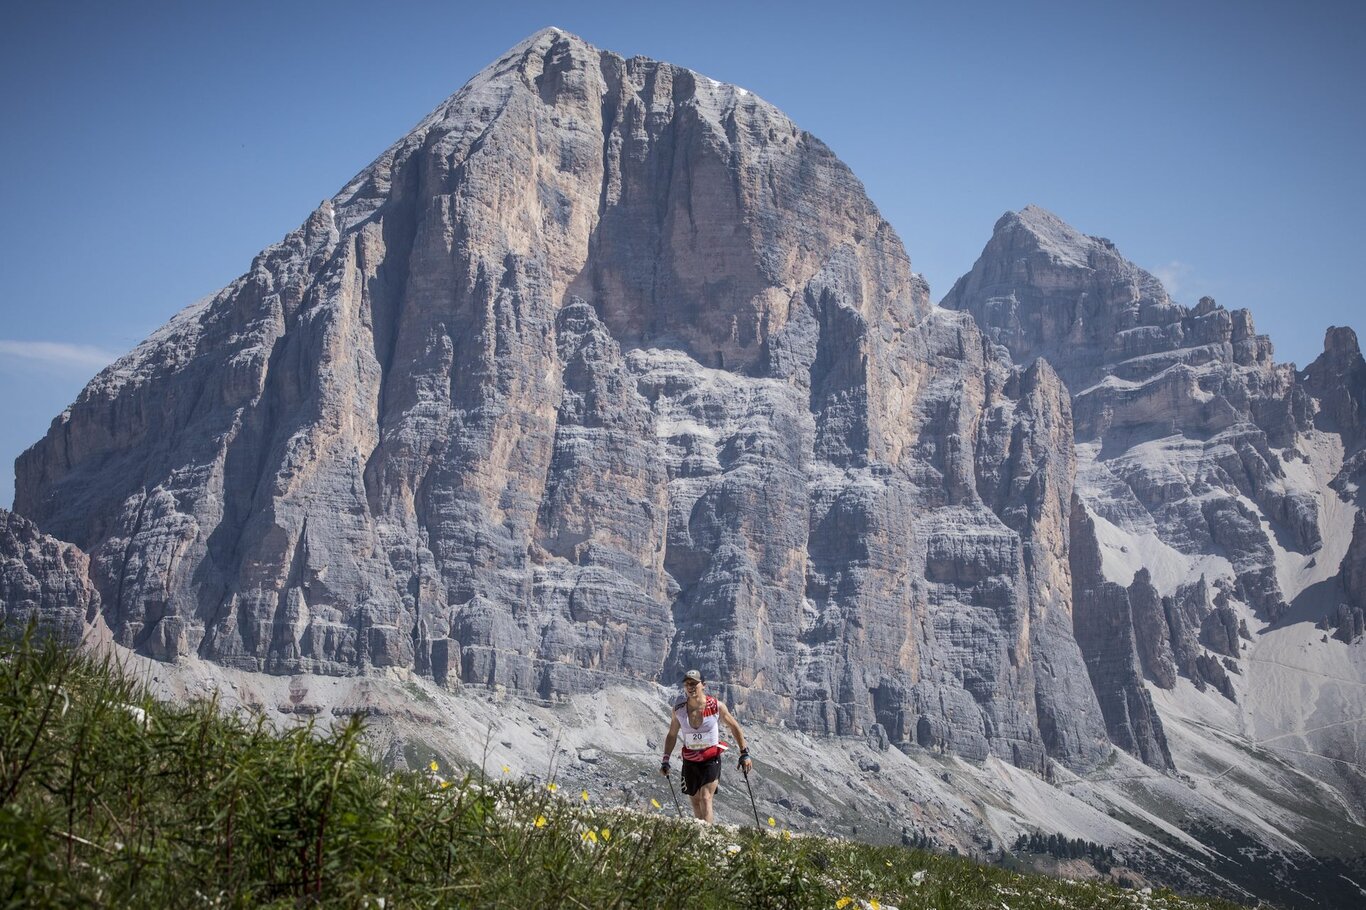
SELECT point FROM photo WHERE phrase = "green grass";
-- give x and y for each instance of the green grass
(110, 798)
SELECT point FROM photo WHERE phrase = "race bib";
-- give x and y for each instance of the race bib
(698, 740)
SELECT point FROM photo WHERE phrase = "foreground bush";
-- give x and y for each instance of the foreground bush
(110, 798)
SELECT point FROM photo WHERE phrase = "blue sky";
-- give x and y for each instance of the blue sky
(152, 148)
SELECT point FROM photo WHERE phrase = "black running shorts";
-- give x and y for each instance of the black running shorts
(696, 774)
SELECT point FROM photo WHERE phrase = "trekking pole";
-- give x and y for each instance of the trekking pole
(752, 804)
(678, 807)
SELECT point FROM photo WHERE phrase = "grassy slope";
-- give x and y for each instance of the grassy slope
(108, 797)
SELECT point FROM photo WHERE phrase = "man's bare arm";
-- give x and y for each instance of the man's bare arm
(671, 739)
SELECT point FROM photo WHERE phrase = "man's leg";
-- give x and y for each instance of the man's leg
(696, 798)
(705, 796)
(701, 803)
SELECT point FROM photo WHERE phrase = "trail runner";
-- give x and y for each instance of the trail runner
(698, 718)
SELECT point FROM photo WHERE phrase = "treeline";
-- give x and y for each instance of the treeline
(1064, 847)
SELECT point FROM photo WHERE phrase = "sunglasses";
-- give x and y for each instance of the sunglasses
(690, 683)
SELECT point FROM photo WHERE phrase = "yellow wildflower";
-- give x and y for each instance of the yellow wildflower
(606, 834)
(540, 821)
(552, 786)
(434, 766)
(872, 902)
(654, 802)
(585, 796)
(771, 822)
(787, 835)
(506, 769)
(445, 784)
(843, 902)
(590, 835)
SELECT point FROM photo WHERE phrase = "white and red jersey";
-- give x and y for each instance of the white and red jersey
(703, 742)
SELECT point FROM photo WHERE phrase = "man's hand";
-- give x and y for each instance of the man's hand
(664, 766)
(744, 764)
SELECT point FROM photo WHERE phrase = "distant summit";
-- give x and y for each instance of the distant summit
(1042, 288)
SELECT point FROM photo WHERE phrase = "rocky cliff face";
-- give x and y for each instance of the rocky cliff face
(1144, 372)
(43, 579)
(604, 370)
(1197, 459)
(1354, 566)
(1120, 642)
(1336, 383)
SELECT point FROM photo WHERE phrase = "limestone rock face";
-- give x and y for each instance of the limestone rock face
(44, 579)
(1348, 623)
(1354, 565)
(1179, 411)
(1196, 621)
(603, 371)
(1152, 630)
(1336, 383)
(1197, 456)
(1113, 635)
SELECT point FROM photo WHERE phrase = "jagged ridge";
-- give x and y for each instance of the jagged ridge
(1189, 436)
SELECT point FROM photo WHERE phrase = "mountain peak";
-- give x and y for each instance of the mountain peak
(1037, 228)
(1341, 341)
(683, 214)
(1037, 213)
(543, 39)
(1043, 288)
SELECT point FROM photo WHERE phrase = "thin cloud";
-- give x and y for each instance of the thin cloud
(1174, 275)
(56, 355)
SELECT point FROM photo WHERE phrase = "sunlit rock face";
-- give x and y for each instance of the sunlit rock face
(1202, 464)
(604, 370)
